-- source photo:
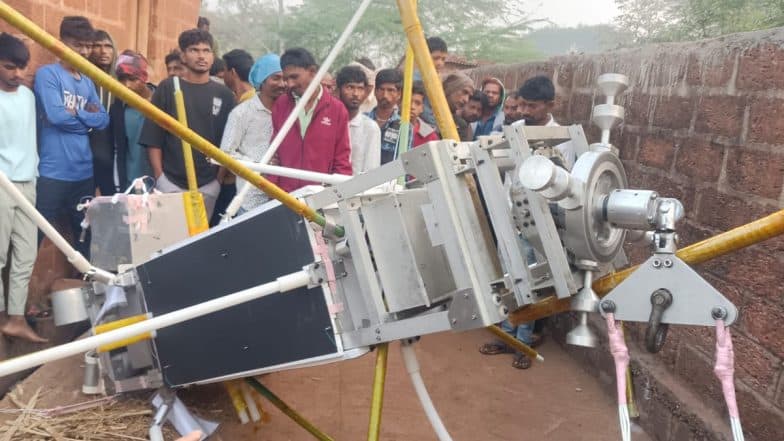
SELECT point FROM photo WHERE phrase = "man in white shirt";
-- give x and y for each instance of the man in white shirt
(18, 162)
(535, 101)
(364, 133)
(248, 131)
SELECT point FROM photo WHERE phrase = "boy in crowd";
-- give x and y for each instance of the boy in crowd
(364, 134)
(423, 132)
(18, 159)
(207, 105)
(511, 113)
(535, 101)
(319, 140)
(472, 110)
(126, 122)
(104, 55)
(492, 115)
(174, 64)
(389, 83)
(238, 65)
(438, 52)
(69, 109)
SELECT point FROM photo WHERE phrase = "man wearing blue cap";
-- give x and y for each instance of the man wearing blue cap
(249, 129)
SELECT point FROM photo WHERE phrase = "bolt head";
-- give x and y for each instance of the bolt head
(667, 263)
(656, 263)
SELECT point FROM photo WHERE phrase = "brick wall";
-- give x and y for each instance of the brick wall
(704, 123)
(124, 20)
(151, 29)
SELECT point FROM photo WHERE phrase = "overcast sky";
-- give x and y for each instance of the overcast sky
(574, 12)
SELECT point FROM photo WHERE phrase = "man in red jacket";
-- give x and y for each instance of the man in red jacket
(318, 141)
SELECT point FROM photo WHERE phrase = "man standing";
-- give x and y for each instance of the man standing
(492, 115)
(174, 64)
(458, 87)
(389, 83)
(18, 158)
(511, 114)
(103, 55)
(207, 106)
(126, 122)
(536, 100)
(238, 65)
(438, 53)
(249, 128)
(69, 109)
(364, 133)
(318, 141)
(422, 131)
(471, 112)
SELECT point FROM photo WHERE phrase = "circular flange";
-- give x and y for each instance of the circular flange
(588, 235)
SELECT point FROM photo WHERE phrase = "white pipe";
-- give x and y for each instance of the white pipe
(73, 256)
(296, 173)
(282, 284)
(412, 366)
(236, 203)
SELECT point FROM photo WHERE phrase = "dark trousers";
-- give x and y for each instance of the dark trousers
(227, 193)
(56, 199)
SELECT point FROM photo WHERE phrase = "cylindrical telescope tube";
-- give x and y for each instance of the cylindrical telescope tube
(631, 209)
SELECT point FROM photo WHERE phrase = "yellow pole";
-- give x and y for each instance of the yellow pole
(377, 402)
(515, 343)
(30, 29)
(719, 245)
(195, 211)
(288, 411)
(435, 92)
(106, 327)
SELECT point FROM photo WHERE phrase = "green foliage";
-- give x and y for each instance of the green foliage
(673, 20)
(488, 30)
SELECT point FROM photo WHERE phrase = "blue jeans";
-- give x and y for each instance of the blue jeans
(55, 198)
(521, 332)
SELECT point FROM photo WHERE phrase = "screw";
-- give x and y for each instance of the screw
(465, 295)
(504, 310)
(657, 263)
(519, 204)
(378, 330)
(608, 306)
(454, 321)
(719, 313)
(316, 266)
(378, 338)
(667, 263)
(473, 316)
(480, 162)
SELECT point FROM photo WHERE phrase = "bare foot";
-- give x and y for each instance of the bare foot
(17, 326)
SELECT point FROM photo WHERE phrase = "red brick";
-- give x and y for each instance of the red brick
(689, 232)
(766, 121)
(726, 212)
(711, 72)
(580, 108)
(657, 152)
(761, 68)
(638, 109)
(757, 273)
(673, 112)
(762, 321)
(755, 172)
(78, 5)
(585, 74)
(760, 417)
(700, 160)
(626, 144)
(756, 366)
(720, 115)
(697, 369)
(731, 291)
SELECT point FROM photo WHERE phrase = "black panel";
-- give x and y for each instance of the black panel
(276, 329)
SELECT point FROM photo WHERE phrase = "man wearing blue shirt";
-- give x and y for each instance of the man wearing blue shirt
(18, 159)
(69, 109)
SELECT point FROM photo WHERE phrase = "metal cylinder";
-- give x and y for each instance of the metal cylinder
(539, 174)
(631, 209)
(92, 374)
(68, 306)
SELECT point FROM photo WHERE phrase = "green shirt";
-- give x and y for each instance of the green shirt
(305, 116)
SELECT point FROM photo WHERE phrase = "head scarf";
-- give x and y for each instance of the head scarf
(263, 68)
(132, 64)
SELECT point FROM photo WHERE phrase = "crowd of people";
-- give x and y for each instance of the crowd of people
(67, 140)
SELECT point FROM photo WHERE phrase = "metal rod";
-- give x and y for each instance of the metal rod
(236, 203)
(305, 175)
(59, 49)
(515, 343)
(288, 411)
(377, 402)
(435, 92)
(730, 241)
(282, 284)
(73, 256)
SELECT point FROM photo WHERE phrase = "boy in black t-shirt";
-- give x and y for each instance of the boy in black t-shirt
(207, 105)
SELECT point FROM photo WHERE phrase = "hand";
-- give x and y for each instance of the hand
(92, 108)
(193, 436)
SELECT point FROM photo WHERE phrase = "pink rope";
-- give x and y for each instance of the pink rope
(725, 367)
(620, 354)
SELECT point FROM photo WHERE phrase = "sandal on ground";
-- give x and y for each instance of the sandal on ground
(521, 361)
(495, 348)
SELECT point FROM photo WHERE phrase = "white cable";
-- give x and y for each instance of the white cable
(626, 424)
(236, 203)
(282, 284)
(412, 366)
(73, 256)
(737, 429)
(305, 175)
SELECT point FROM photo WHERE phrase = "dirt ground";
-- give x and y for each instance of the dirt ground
(478, 397)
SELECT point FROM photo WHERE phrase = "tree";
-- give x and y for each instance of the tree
(491, 30)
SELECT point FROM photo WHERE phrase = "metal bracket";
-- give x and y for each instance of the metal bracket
(693, 299)
(318, 272)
